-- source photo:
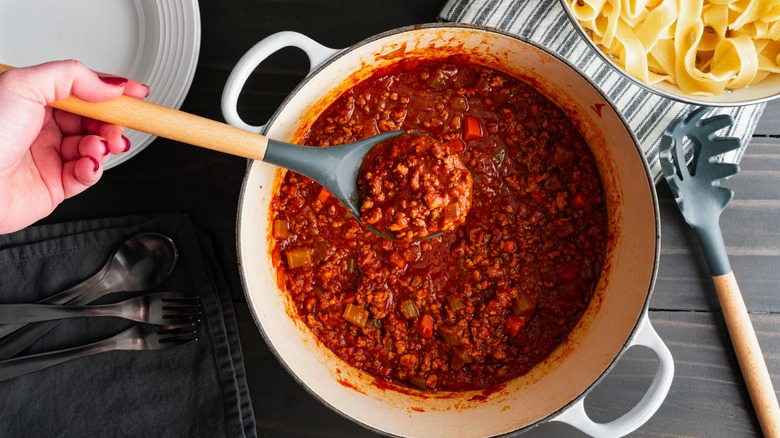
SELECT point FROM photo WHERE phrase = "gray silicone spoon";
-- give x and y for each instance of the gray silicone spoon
(139, 263)
(335, 168)
(701, 200)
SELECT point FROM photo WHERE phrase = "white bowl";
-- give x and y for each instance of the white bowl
(765, 90)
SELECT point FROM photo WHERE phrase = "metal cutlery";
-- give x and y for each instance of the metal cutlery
(157, 308)
(138, 337)
(139, 263)
(701, 200)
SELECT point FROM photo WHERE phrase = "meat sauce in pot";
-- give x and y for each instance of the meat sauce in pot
(413, 187)
(485, 302)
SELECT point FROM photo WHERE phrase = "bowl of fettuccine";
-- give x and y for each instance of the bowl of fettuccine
(713, 52)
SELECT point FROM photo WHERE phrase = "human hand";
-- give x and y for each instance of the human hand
(48, 155)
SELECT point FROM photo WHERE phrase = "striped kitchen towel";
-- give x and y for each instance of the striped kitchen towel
(545, 22)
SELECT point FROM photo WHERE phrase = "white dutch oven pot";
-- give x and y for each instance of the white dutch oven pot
(616, 319)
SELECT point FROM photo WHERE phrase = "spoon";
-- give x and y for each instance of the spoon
(139, 263)
(335, 168)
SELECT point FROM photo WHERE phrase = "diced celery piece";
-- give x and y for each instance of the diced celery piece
(299, 257)
(281, 229)
(524, 305)
(409, 309)
(356, 315)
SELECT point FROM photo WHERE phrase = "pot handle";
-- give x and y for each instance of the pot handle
(576, 416)
(316, 52)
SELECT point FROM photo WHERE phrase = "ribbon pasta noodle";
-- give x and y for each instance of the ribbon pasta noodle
(705, 47)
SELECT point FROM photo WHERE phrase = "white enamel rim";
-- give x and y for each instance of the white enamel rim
(615, 321)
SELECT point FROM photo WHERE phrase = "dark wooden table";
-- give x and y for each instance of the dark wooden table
(708, 396)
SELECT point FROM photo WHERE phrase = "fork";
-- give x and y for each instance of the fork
(151, 256)
(138, 337)
(155, 308)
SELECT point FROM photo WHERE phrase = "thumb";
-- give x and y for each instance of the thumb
(52, 81)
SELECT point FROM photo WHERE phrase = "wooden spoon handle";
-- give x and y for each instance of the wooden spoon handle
(748, 351)
(169, 123)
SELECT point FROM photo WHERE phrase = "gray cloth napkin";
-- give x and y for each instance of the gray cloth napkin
(545, 22)
(195, 390)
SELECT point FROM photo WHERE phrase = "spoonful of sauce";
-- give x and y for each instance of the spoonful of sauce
(401, 185)
(413, 187)
(335, 167)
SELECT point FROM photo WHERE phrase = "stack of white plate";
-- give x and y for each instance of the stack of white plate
(155, 42)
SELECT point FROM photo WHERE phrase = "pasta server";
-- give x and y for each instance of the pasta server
(701, 199)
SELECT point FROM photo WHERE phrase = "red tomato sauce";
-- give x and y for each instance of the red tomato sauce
(477, 306)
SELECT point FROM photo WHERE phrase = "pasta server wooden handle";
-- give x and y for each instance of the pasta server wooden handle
(169, 123)
(749, 356)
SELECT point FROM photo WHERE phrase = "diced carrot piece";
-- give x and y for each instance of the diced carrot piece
(472, 128)
(323, 195)
(578, 201)
(457, 146)
(509, 246)
(514, 324)
(425, 326)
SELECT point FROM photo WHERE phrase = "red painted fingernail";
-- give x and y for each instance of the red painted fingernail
(148, 91)
(114, 80)
(127, 143)
(106, 146)
(95, 164)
